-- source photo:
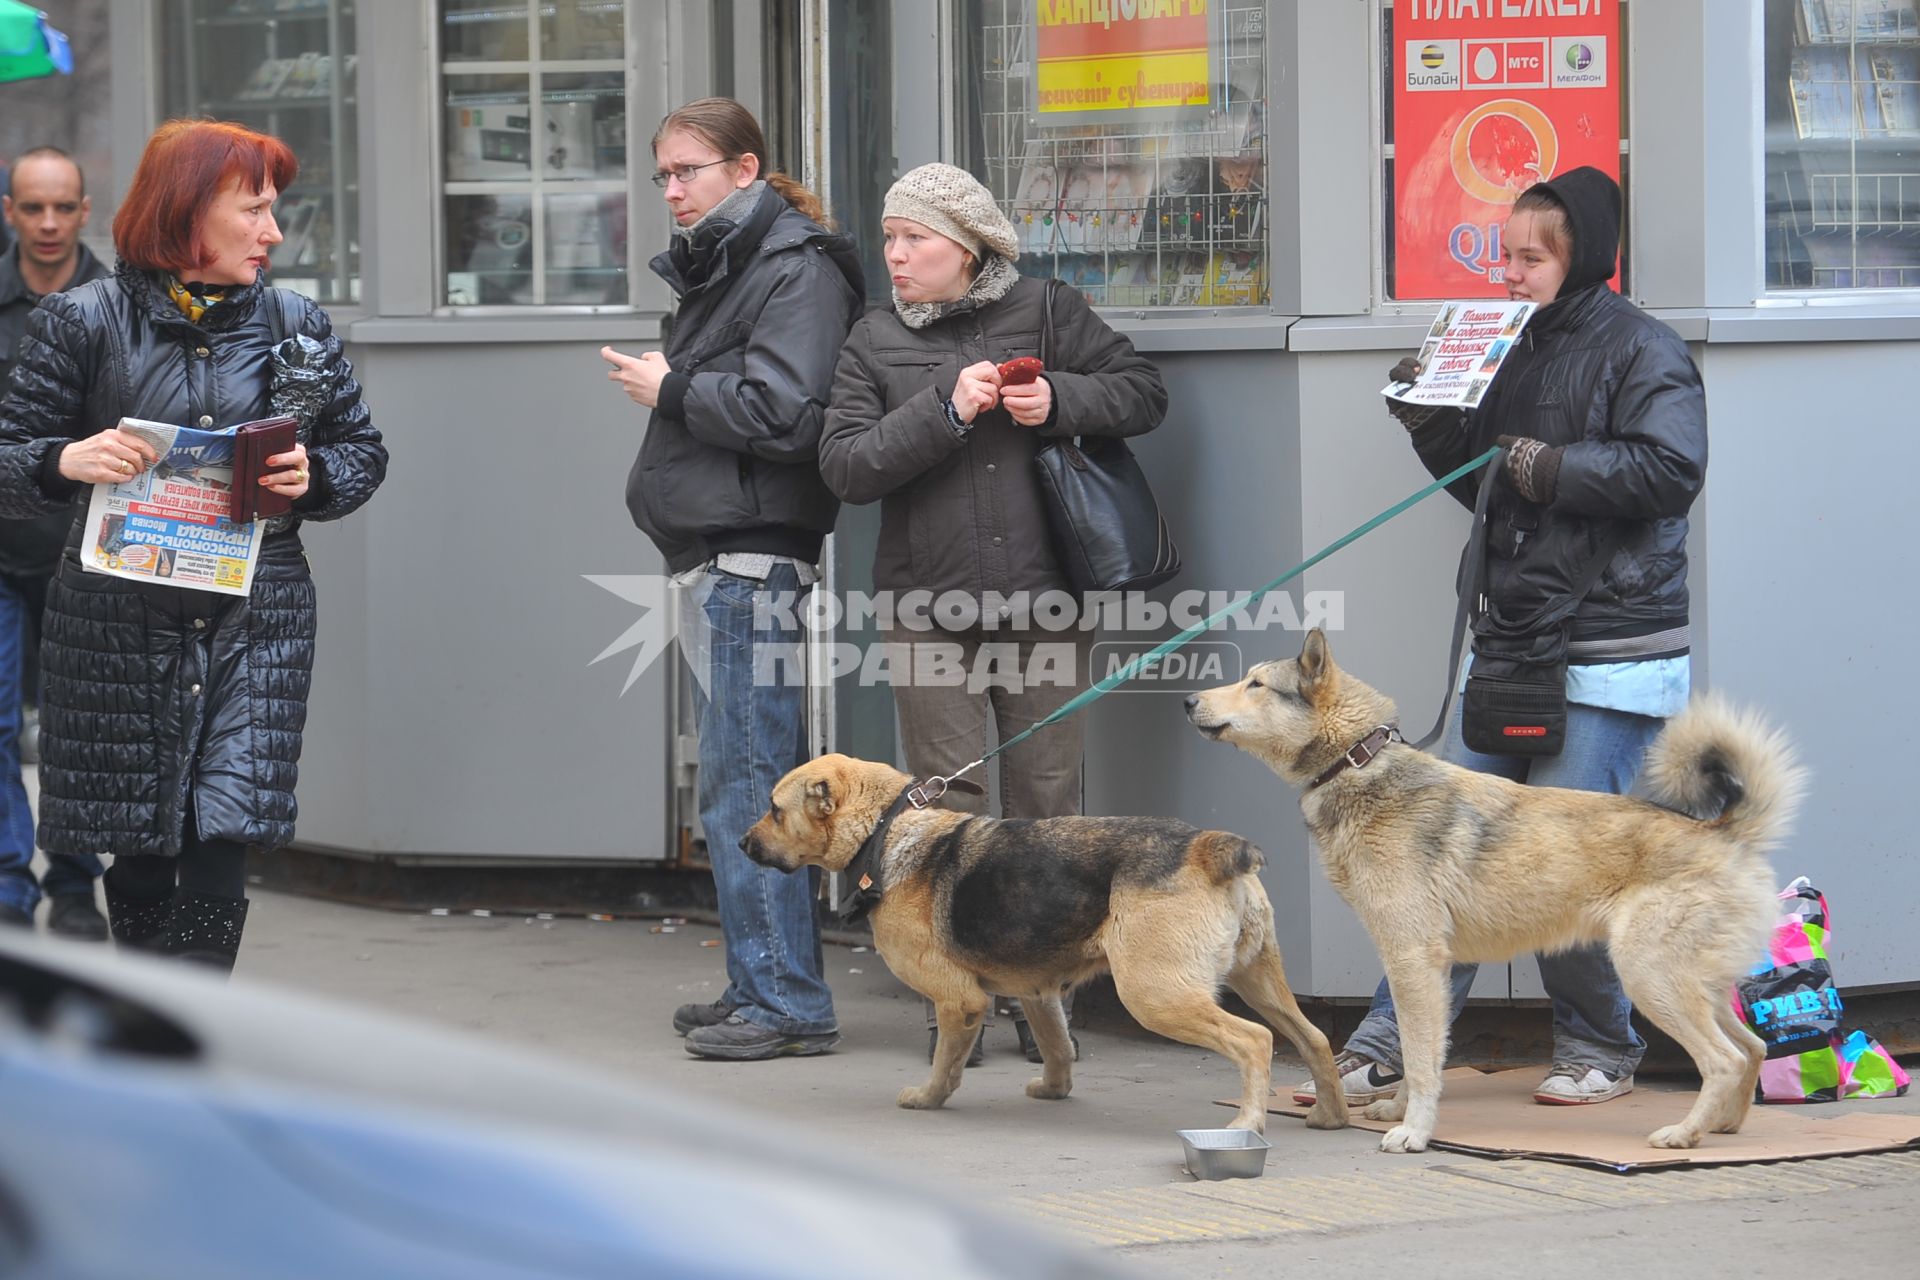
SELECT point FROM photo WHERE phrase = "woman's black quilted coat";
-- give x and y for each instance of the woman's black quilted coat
(158, 703)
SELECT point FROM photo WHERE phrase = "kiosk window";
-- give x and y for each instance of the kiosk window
(534, 147)
(1127, 143)
(1842, 87)
(288, 70)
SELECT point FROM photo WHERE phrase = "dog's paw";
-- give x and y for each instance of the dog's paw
(1324, 1115)
(1404, 1138)
(1393, 1109)
(920, 1098)
(1674, 1137)
(1039, 1088)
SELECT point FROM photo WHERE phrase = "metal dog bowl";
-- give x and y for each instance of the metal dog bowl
(1213, 1154)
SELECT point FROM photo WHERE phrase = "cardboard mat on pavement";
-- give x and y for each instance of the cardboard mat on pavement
(1494, 1114)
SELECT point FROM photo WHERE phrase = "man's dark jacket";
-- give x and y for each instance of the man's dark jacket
(31, 548)
(729, 459)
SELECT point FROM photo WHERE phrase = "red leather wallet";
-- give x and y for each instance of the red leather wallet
(253, 444)
(1021, 370)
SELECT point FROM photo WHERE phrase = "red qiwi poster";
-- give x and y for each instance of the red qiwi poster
(1490, 97)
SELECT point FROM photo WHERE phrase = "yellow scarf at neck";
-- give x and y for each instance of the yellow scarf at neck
(191, 307)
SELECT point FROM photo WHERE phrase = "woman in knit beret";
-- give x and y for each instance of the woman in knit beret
(923, 421)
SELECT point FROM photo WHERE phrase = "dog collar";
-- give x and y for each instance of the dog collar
(1360, 754)
(863, 870)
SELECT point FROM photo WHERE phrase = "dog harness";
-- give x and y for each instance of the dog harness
(1360, 754)
(863, 870)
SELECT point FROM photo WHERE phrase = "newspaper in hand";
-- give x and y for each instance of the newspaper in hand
(1467, 345)
(169, 524)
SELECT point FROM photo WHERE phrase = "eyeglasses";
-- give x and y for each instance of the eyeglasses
(684, 173)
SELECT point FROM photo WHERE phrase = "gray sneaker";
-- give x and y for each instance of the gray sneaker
(742, 1041)
(689, 1017)
(1361, 1078)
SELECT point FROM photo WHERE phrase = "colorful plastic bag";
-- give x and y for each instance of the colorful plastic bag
(1791, 1002)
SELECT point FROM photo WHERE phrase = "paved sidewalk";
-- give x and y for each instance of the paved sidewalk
(1104, 1165)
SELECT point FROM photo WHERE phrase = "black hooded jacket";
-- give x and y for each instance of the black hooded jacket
(728, 462)
(1616, 391)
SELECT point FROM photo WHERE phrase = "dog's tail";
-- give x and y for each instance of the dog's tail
(1224, 856)
(1729, 768)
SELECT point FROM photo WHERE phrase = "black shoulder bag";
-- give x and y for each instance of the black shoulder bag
(1108, 532)
(1515, 702)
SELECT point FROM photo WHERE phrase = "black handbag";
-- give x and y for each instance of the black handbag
(1108, 531)
(1515, 703)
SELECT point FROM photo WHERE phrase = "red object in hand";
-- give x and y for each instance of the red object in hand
(1021, 370)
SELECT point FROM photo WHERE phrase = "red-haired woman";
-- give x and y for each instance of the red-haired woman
(171, 717)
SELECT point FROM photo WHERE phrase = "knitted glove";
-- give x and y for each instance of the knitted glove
(1533, 466)
(1410, 416)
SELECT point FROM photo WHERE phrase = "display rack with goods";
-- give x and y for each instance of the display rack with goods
(534, 146)
(1843, 150)
(287, 68)
(1150, 212)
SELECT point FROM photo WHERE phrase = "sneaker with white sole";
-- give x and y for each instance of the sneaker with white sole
(1571, 1086)
(1361, 1078)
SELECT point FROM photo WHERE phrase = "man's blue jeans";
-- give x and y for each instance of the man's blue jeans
(64, 874)
(1592, 1017)
(752, 732)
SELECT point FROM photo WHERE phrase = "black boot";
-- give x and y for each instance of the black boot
(136, 921)
(1031, 1047)
(206, 929)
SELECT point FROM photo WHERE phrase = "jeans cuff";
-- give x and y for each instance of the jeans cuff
(1382, 1049)
(1609, 1062)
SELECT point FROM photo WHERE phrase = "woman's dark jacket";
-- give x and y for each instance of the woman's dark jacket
(1617, 389)
(159, 701)
(964, 513)
(728, 462)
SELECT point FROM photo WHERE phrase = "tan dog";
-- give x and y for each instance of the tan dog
(1443, 864)
(971, 906)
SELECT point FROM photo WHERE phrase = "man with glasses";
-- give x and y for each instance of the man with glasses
(727, 485)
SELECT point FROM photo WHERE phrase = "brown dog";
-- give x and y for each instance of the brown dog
(970, 906)
(1443, 864)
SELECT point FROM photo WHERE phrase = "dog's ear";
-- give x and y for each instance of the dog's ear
(1315, 661)
(967, 785)
(820, 797)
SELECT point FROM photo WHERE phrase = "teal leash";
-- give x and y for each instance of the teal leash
(1132, 669)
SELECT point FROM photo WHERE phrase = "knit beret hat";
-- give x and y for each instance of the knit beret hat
(952, 202)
